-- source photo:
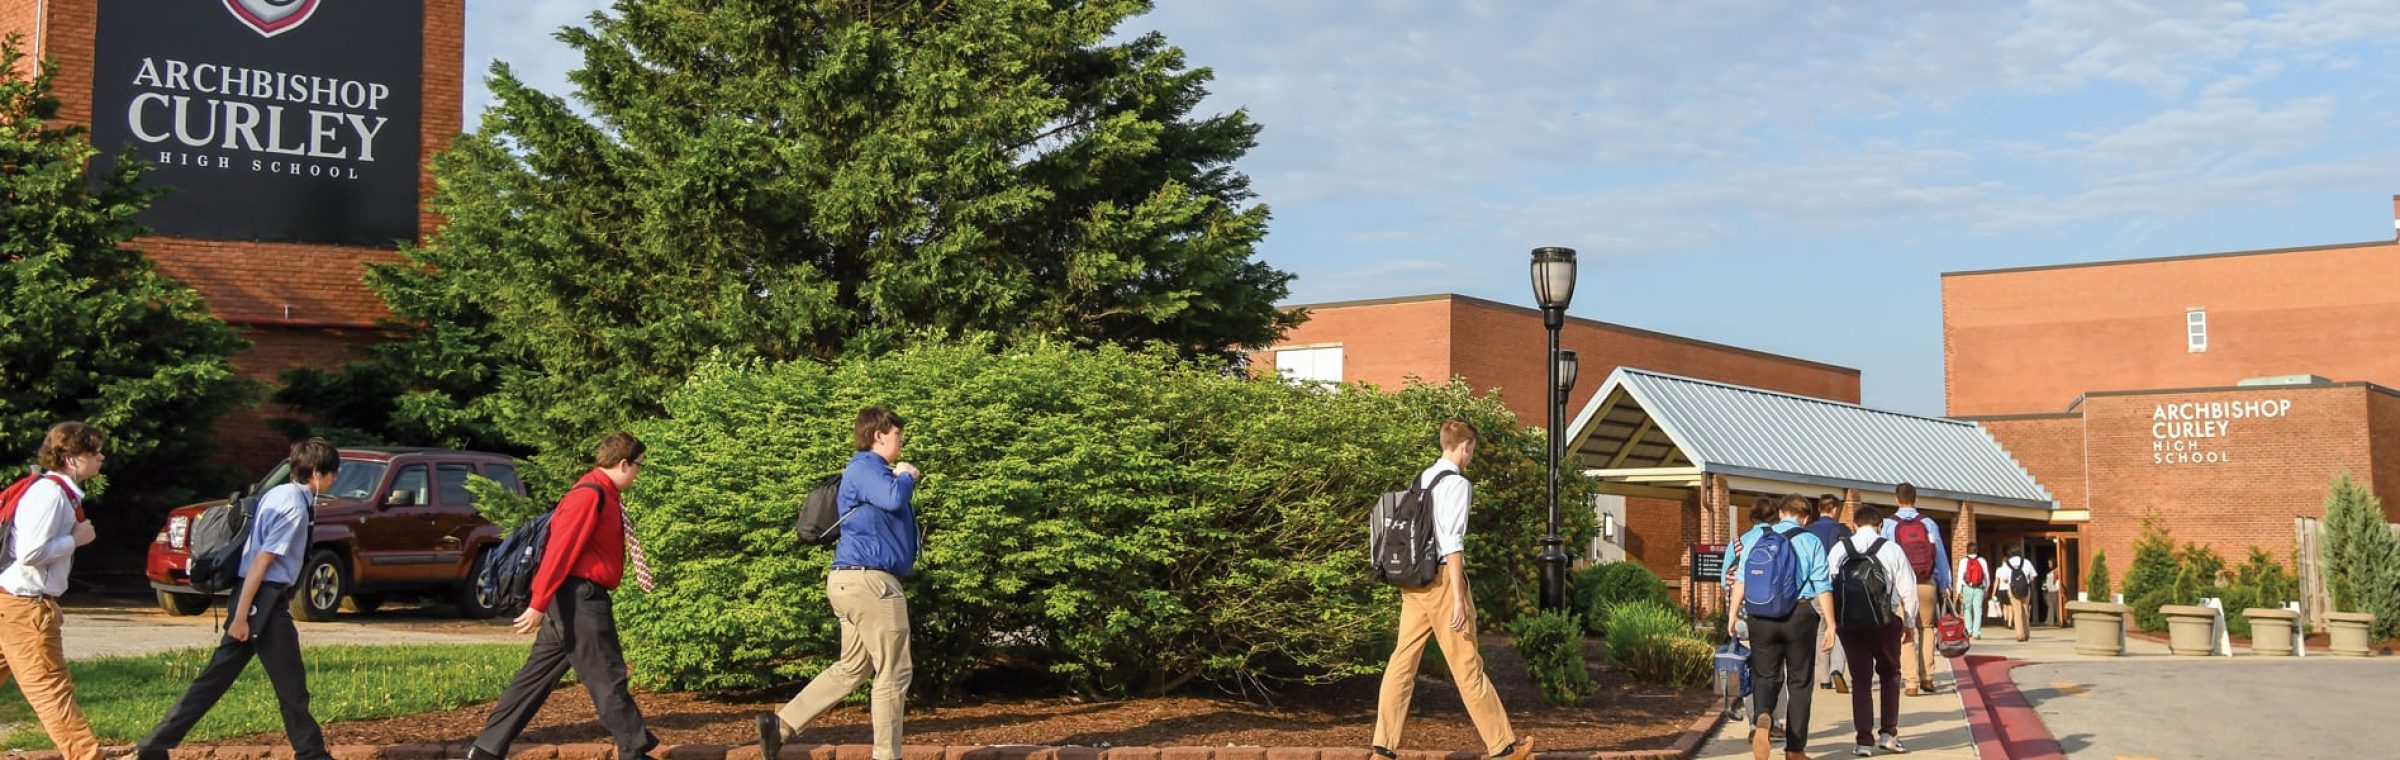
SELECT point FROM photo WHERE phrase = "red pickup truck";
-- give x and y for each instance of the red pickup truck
(397, 522)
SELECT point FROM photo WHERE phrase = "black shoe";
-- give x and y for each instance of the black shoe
(770, 736)
(146, 753)
(473, 753)
(1386, 753)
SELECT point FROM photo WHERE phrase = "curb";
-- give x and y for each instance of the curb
(1686, 745)
(2003, 724)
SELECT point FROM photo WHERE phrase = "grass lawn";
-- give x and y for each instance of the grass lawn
(125, 696)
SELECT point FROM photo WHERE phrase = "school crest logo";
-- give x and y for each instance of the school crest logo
(272, 17)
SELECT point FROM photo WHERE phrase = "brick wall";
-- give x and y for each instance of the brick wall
(251, 284)
(2275, 468)
(2383, 414)
(1654, 535)
(2031, 341)
(1383, 343)
(2050, 447)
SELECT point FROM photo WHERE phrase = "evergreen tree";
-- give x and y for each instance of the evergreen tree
(2154, 563)
(798, 180)
(88, 329)
(2095, 585)
(2361, 557)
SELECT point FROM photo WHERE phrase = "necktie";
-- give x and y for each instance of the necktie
(633, 547)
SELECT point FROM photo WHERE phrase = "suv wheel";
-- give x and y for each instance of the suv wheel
(475, 599)
(323, 583)
(182, 604)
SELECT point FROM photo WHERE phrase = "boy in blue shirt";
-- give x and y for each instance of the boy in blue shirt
(1780, 651)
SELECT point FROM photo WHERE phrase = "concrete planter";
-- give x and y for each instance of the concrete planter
(2348, 630)
(2191, 631)
(2271, 631)
(2099, 627)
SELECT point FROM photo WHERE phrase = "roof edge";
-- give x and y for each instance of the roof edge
(1585, 321)
(1811, 399)
(2225, 388)
(2165, 259)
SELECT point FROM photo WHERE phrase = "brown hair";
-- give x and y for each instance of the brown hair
(1795, 505)
(1905, 494)
(67, 440)
(313, 456)
(1456, 431)
(1828, 504)
(872, 421)
(618, 448)
(1867, 514)
(1762, 510)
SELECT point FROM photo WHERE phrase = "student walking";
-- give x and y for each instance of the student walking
(1974, 583)
(1875, 604)
(1921, 539)
(585, 557)
(1828, 528)
(48, 525)
(1444, 611)
(877, 548)
(2017, 583)
(1785, 593)
(261, 624)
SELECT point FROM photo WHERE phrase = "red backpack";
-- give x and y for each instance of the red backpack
(1974, 572)
(1915, 538)
(16, 493)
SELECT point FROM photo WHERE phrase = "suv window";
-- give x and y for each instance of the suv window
(275, 477)
(506, 476)
(452, 480)
(356, 479)
(409, 486)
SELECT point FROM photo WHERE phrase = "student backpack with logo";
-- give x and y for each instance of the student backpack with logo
(8, 510)
(821, 517)
(1915, 538)
(1771, 576)
(1400, 535)
(1862, 590)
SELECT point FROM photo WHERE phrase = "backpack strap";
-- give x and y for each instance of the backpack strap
(1437, 479)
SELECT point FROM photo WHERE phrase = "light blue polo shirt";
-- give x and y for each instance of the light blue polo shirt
(1808, 552)
(280, 527)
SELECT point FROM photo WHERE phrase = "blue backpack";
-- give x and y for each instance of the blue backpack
(1771, 576)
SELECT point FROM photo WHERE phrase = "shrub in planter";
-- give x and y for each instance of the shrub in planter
(2095, 586)
(2146, 614)
(1620, 583)
(1652, 642)
(2154, 565)
(1552, 645)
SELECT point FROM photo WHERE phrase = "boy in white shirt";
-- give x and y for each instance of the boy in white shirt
(1875, 652)
(46, 529)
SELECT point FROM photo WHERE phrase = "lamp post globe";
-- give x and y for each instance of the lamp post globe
(1553, 273)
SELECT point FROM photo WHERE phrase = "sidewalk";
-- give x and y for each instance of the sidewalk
(1931, 726)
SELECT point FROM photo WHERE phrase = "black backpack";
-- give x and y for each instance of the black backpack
(2020, 579)
(1400, 535)
(820, 520)
(219, 535)
(1862, 590)
(509, 582)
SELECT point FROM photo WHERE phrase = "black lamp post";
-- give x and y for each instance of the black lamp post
(1554, 288)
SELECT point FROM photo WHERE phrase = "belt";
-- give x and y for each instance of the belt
(840, 568)
(43, 597)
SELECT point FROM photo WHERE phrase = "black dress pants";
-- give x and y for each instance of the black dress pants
(579, 632)
(276, 644)
(1783, 653)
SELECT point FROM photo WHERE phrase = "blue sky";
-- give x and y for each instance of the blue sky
(1790, 177)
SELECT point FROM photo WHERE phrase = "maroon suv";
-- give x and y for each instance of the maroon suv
(397, 522)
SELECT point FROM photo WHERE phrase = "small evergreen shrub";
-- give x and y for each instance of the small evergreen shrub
(1617, 584)
(2095, 585)
(1651, 642)
(1552, 645)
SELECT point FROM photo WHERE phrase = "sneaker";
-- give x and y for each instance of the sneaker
(1518, 750)
(1891, 743)
(770, 736)
(1761, 739)
(1863, 750)
(1385, 753)
(147, 753)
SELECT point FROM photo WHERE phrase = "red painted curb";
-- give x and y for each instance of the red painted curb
(2003, 723)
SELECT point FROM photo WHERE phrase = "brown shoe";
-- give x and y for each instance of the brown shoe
(1761, 740)
(1912, 691)
(1518, 750)
(1841, 684)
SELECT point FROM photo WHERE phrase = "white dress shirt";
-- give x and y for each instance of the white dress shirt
(1895, 566)
(42, 548)
(1450, 499)
(2010, 569)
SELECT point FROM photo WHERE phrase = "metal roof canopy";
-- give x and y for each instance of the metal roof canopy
(1653, 429)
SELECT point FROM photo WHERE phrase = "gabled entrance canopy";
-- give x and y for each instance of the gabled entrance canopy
(1653, 434)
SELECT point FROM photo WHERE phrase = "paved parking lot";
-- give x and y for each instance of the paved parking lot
(109, 626)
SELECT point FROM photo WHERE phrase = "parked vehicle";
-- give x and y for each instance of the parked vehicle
(397, 522)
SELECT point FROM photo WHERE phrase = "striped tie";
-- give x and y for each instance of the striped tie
(641, 562)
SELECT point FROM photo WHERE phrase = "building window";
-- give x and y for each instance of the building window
(2195, 326)
(1321, 364)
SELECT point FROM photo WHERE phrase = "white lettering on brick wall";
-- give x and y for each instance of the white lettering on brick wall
(2193, 432)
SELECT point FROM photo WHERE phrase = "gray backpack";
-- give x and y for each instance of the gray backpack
(1400, 535)
(218, 537)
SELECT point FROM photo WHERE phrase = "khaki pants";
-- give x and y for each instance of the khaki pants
(32, 651)
(2017, 607)
(1917, 658)
(874, 618)
(1425, 613)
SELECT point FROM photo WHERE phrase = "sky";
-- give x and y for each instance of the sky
(1787, 177)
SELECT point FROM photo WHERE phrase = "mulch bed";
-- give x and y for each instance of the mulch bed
(1623, 715)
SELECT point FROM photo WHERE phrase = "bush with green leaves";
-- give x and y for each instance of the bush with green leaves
(2155, 568)
(1119, 521)
(2361, 557)
(1601, 588)
(2095, 585)
(1654, 643)
(1552, 645)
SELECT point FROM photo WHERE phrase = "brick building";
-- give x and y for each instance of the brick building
(299, 303)
(1502, 348)
(2221, 393)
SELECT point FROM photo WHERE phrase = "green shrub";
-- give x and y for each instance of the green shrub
(1118, 521)
(2275, 585)
(1552, 645)
(1652, 642)
(2154, 564)
(2146, 614)
(2095, 585)
(2236, 599)
(2361, 557)
(1616, 584)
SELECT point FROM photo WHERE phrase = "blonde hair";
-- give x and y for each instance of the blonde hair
(1456, 431)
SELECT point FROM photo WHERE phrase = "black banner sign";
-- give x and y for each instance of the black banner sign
(1708, 562)
(274, 120)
